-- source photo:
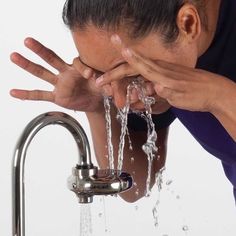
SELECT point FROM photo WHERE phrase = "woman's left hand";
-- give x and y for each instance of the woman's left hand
(183, 87)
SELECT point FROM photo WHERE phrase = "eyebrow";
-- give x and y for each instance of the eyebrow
(102, 72)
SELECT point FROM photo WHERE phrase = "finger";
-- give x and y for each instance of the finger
(153, 72)
(46, 54)
(119, 94)
(149, 69)
(35, 69)
(121, 47)
(34, 95)
(149, 88)
(138, 106)
(120, 72)
(107, 90)
(134, 96)
(84, 70)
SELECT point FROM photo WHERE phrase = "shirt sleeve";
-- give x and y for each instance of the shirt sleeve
(137, 123)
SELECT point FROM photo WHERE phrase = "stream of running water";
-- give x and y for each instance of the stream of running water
(149, 147)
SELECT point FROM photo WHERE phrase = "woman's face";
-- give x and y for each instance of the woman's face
(96, 50)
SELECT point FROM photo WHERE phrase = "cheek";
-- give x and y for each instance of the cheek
(187, 56)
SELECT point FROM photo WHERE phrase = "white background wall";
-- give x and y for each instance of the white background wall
(206, 203)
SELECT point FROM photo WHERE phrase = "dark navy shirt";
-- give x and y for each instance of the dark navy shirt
(220, 58)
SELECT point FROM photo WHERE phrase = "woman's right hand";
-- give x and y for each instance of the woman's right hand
(74, 87)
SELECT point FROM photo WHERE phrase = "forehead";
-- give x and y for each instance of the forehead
(95, 48)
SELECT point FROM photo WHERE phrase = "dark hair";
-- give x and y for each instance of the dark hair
(140, 16)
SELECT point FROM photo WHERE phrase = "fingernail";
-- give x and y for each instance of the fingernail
(99, 80)
(127, 53)
(132, 98)
(116, 39)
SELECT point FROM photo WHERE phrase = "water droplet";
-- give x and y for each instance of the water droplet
(154, 212)
(185, 228)
(178, 197)
(132, 160)
(135, 184)
(169, 182)
(136, 208)
(100, 214)
(157, 203)
(155, 216)
(137, 192)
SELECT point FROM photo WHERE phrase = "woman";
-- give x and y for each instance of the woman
(164, 41)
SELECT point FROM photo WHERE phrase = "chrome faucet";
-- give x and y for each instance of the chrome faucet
(86, 180)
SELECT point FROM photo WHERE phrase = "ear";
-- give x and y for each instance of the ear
(189, 23)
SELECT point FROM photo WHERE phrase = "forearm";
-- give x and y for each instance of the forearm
(135, 161)
(225, 109)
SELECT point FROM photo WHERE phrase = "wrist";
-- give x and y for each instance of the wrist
(224, 98)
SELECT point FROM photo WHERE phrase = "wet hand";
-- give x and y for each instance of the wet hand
(120, 78)
(74, 85)
(181, 86)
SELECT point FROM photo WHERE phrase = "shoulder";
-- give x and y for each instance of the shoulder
(220, 58)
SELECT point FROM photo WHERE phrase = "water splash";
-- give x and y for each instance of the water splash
(100, 214)
(159, 184)
(185, 228)
(155, 213)
(132, 160)
(169, 182)
(149, 147)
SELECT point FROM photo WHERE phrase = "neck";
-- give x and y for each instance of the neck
(212, 13)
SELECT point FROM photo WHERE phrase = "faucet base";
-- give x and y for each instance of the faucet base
(86, 183)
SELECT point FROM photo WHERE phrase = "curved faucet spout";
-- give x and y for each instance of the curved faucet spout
(20, 154)
(86, 180)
